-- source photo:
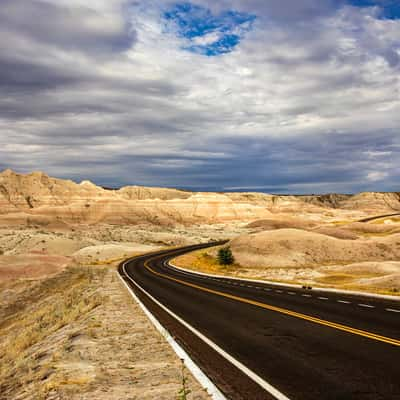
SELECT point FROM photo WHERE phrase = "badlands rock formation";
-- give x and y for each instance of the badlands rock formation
(37, 199)
(373, 202)
(299, 248)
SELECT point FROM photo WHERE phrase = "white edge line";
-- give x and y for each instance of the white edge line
(171, 264)
(365, 305)
(260, 381)
(203, 379)
(289, 285)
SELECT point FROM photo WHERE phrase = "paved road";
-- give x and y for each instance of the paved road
(308, 345)
(375, 217)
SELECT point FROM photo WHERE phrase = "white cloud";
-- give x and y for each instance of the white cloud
(209, 38)
(376, 176)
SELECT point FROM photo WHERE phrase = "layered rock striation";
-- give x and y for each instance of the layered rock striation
(37, 199)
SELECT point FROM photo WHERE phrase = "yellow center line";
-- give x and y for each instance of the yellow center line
(295, 314)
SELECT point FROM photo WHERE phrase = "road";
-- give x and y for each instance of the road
(306, 344)
(375, 217)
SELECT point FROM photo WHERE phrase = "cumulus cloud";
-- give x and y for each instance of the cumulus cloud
(376, 175)
(307, 100)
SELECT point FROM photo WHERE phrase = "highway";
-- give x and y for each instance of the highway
(277, 342)
(376, 217)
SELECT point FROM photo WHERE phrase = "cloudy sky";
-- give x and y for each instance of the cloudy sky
(261, 95)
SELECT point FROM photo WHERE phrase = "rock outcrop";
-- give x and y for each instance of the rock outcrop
(37, 199)
(373, 202)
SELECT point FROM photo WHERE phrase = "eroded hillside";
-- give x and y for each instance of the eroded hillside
(37, 199)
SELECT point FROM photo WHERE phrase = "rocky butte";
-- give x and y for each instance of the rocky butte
(37, 199)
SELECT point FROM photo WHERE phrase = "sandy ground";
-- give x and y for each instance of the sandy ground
(38, 266)
(81, 336)
(297, 248)
(34, 253)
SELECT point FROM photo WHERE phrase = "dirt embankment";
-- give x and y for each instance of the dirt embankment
(81, 336)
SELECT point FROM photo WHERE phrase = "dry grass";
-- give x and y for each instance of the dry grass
(80, 336)
(205, 261)
(112, 260)
(341, 222)
(70, 297)
(336, 279)
(383, 220)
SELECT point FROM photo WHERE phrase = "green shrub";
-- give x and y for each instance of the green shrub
(184, 390)
(225, 256)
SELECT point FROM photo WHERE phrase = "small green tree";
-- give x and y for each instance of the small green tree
(225, 256)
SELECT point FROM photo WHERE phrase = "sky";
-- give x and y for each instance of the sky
(275, 96)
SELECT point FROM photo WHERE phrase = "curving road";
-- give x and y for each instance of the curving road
(375, 217)
(274, 342)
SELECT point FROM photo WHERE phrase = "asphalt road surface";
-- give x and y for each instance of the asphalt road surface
(369, 219)
(285, 342)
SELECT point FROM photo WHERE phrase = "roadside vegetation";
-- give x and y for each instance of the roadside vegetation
(41, 312)
(184, 391)
(225, 256)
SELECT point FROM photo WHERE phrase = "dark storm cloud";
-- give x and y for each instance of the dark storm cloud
(61, 93)
(72, 28)
(39, 40)
(18, 76)
(53, 52)
(288, 165)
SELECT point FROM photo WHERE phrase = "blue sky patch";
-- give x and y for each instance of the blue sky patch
(390, 8)
(207, 33)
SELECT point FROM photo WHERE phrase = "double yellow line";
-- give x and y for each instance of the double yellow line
(315, 320)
